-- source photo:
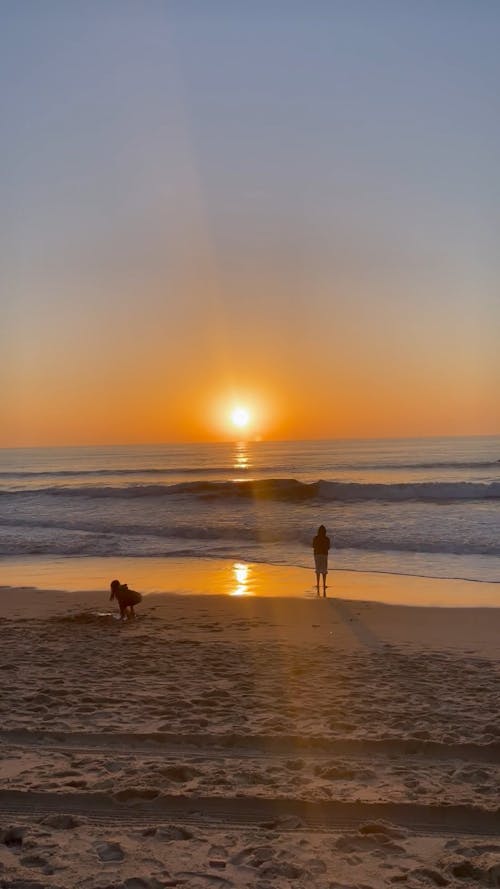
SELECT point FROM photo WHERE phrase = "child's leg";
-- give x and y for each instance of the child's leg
(123, 612)
(324, 584)
(317, 582)
(132, 612)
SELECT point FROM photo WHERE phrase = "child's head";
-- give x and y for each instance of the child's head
(115, 585)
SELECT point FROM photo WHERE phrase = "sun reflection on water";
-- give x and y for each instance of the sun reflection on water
(241, 574)
(241, 456)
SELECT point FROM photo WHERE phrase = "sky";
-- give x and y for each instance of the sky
(287, 206)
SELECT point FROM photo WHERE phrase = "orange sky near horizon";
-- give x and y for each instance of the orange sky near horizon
(121, 364)
(137, 403)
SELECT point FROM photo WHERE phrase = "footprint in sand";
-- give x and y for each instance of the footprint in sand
(12, 836)
(200, 880)
(33, 861)
(142, 883)
(61, 822)
(173, 832)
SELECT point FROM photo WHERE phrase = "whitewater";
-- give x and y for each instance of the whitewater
(429, 507)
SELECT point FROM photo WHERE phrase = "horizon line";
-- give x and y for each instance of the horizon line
(252, 441)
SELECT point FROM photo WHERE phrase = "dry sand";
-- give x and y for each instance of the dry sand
(225, 741)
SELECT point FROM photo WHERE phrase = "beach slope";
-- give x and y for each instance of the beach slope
(246, 741)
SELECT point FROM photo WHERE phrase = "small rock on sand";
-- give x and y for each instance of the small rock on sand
(110, 852)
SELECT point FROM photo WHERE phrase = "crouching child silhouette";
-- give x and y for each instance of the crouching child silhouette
(126, 599)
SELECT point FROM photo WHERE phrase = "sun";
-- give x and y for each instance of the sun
(240, 417)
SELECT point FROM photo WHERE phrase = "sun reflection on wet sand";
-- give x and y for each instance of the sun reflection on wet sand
(254, 580)
(241, 573)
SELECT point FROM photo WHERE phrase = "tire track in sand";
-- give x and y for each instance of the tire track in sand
(163, 743)
(265, 812)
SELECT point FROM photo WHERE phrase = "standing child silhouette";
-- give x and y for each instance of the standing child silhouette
(321, 545)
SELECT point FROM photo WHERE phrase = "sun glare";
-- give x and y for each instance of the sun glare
(240, 417)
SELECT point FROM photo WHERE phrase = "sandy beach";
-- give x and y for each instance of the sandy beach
(247, 741)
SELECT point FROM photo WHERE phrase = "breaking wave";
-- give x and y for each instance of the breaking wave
(436, 492)
(287, 489)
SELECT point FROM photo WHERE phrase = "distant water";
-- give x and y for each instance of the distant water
(429, 507)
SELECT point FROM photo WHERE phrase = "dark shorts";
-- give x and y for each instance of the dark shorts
(321, 563)
(129, 598)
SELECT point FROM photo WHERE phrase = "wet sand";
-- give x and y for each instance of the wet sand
(188, 576)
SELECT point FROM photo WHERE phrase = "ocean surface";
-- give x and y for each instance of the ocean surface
(427, 507)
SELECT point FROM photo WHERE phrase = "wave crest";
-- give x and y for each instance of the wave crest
(438, 492)
(287, 489)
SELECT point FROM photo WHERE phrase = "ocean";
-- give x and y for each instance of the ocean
(426, 507)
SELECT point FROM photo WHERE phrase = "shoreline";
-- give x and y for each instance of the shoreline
(349, 625)
(241, 579)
